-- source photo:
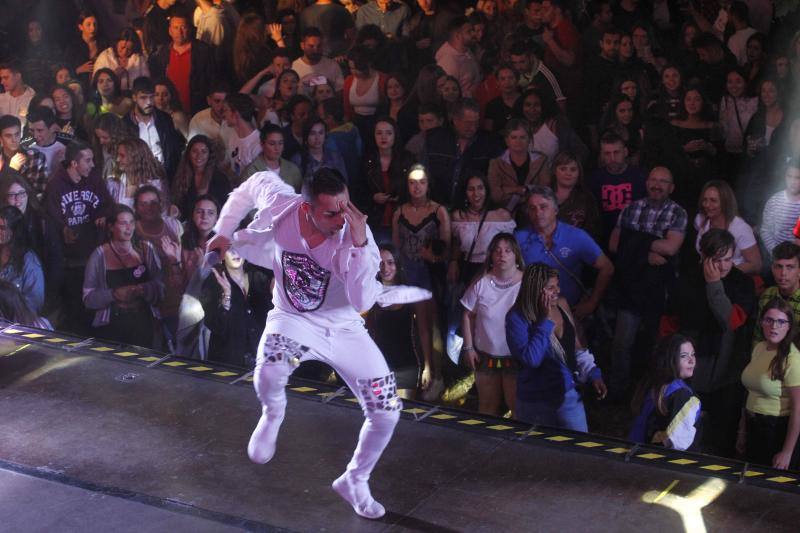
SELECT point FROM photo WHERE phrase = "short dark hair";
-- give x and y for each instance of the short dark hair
(611, 137)
(610, 30)
(362, 57)
(12, 65)
(456, 23)
(242, 104)
(706, 40)
(143, 84)
(786, 250)
(219, 86)
(793, 162)
(324, 181)
(430, 109)
(74, 149)
(295, 101)
(42, 113)
(144, 189)
(466, 104)
(740, 10)
(593, 9)
(716, 241)
(334, 108)
(268, 129)
(9, 121)
(311, 31)
(279, 52)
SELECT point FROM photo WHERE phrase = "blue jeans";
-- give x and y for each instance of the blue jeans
(568, 414)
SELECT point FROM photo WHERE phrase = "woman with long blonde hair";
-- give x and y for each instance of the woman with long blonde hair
(137, 167)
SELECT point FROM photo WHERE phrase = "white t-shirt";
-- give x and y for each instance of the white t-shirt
(16, 105)
(465, 231)
(326, 67)
(490, 304)
(742, 233)
(240, 152)
(54, 153)
(203, 123)
(318, 292)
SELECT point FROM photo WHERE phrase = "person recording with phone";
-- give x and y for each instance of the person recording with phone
(235, 298)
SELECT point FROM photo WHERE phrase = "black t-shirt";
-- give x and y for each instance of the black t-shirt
(333, 21)
(522, 170)
(499, 113)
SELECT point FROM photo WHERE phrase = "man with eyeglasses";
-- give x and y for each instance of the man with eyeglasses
(648, 235)
(715, 306)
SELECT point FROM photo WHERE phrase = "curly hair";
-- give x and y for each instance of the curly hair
(115, 128)
(142, 165)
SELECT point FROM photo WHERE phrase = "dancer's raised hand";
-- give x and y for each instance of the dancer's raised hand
(357, 221)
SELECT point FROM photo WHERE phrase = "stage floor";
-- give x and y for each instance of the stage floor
(93, 443)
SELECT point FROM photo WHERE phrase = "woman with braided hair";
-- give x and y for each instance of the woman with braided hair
(541, 335)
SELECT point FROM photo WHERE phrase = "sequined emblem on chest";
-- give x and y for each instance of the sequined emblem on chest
(305, 283)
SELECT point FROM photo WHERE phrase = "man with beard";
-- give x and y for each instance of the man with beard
(155, 127)
(312, 63)
(648, 234)
(325, 262)
(616, 183)
(456, 59)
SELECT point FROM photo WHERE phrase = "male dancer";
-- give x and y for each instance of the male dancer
(325, 262)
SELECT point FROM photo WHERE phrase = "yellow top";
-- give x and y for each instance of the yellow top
(766, 396)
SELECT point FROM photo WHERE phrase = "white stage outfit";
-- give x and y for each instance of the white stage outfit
(319, 293)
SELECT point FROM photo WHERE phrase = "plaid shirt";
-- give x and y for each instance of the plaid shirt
(34, 169)
(656, 220)
(772, 292)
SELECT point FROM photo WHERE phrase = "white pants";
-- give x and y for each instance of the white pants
(355, 357)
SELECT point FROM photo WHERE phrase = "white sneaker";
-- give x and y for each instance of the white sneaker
(358, 495)
(434, 391)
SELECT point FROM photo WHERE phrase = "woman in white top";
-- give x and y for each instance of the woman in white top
(717, 209)
(124, 58)
(474, 224)
(137, 167)
(364, 90)
(485, 305)
(735, 111)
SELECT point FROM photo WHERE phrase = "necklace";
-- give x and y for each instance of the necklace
(114, 249)
(473, 213)
(502, 284)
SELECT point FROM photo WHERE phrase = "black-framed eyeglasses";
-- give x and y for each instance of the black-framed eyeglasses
(779, 322)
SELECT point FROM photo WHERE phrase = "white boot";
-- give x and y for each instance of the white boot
(357, 494)
(353, 485)
(261, 447)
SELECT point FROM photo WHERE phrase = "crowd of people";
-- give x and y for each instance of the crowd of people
(587, 188)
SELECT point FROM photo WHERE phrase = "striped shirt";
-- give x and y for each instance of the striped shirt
(536, 78)
(780, 216)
